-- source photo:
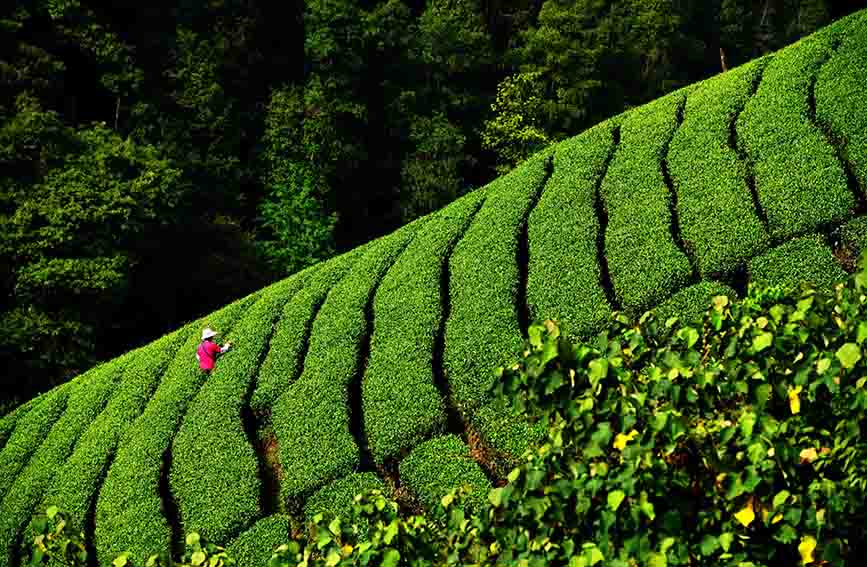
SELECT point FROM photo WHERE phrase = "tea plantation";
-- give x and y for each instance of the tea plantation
(374, 369)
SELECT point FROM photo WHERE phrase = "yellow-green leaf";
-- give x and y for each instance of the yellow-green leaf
(762, 341)
(794, 400)
(849, 355)
(822, 365)
(615, 498)
(198, 557)
(746, 515)
(806, 548)
(620, 440)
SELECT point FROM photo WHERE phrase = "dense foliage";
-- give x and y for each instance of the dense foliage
(735, 437)
(230, 143)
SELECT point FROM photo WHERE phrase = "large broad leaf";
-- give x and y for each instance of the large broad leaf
(849, 355)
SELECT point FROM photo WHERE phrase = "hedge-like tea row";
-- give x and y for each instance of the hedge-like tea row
(311, 419)
(8, 421)
(74, 486)
(284, 360)
(799, 180)
(214, 474)
(718, 219)
(87, 399)
(643, 258)
(840, 93)
(692, 302)
(129, 511)
(401, 403)
(440, 464)
(563, 231)
(29, 432)
(507, 434)
(854, 236)
(254, 547)
(335, 499)
(806, 258)
(482, 331)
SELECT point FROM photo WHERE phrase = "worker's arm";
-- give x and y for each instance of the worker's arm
(225, 347)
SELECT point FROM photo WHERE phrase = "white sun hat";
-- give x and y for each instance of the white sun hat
(208, 333)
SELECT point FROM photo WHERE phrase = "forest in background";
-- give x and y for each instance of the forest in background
(161, 159)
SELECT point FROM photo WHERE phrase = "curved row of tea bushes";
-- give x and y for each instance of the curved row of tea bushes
(129, 510)
(311, 419)
(717, 217)
(839, 91)
(215, 473)
(76, 483)
(806, 258)
(87, 399)
(439, 465)
(8, 421)
(401, 403)
(335, 499)
(643, 259)
(254, 547)
(799, 180)
(692, 302)
(506, 434)
(563, 231)
(482, 331)
(285, 359)
(282, 363)
(30, 431)
(854, 236)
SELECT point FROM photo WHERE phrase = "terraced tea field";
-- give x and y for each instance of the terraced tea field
(373, 368)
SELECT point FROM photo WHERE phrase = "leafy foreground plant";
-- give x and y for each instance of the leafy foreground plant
(734, 440)
(55, 545)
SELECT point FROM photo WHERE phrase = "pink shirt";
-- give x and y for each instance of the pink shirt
(208, 354)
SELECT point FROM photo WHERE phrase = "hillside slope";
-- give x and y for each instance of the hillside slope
(373, 367)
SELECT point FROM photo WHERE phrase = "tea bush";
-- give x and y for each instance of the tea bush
(731, 439)
(254, 547)
(74, 486)
(311, 419)
(215, 474)
(87, 398)
(854, 235)
(129, 511)
(840, 90)
(335, 499)
(691, 302)
(8, 421)
(563, 232)
(776, 132)
(438, 465)
(401, 402)
(643, 259)
(803, 259)
(483, 331)
(29, 433)
(285, 358)
(717, 216)
(484, 277)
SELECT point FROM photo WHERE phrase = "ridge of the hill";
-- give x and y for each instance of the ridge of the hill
(373, 368)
